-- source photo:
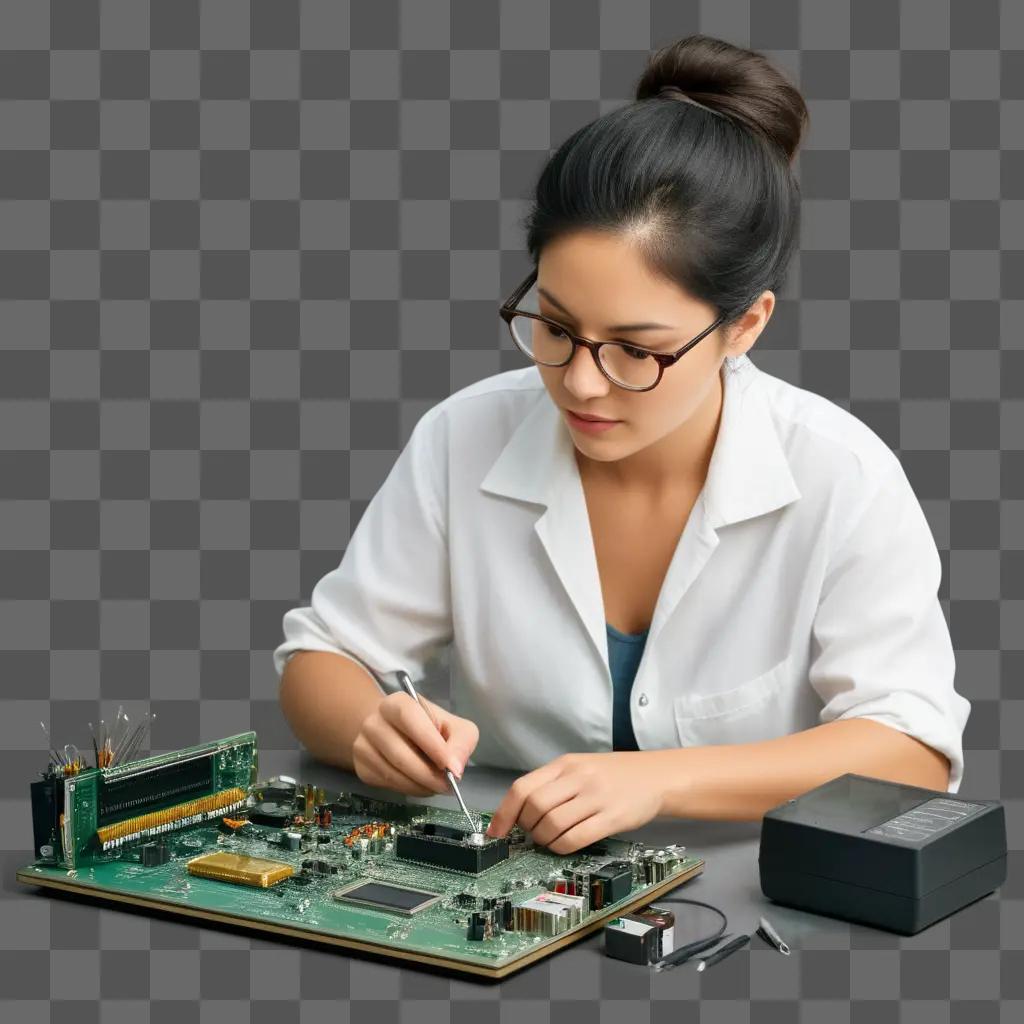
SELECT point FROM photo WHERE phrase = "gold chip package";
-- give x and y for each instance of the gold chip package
(242, 870)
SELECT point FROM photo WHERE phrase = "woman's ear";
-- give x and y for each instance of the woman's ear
(745, 332)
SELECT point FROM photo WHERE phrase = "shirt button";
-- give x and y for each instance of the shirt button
(643, 700)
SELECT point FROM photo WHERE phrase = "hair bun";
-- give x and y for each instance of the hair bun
(736, 82)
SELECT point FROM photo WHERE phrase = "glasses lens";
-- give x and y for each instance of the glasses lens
(541, 341)
(629, 366)
(548, 344)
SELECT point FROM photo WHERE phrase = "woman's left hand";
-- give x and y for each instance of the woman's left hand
(578, 799)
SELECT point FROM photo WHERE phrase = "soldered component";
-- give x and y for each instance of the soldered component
(239, 869)
(319, 867)
(445, 846)
(188, 813)
(369, 838)
(494, 917)
(154, 855)
(659, 864)
(272, 812)
(398, 899)
(548, 913)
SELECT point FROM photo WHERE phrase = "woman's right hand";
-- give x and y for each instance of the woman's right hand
(399, 747)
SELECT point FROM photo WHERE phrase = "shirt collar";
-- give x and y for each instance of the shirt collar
(748, 474)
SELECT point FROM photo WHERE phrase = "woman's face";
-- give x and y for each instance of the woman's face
(590, 281)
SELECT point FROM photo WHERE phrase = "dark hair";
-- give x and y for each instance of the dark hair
(711, 201)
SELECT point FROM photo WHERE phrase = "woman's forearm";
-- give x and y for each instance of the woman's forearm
(325, 697)
(739, 782)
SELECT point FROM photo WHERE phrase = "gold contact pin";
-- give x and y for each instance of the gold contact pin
(169, 815)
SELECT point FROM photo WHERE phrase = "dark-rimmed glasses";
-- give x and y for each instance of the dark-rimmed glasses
(550, 343)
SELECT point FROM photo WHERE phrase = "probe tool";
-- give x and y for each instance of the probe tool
(476, 836)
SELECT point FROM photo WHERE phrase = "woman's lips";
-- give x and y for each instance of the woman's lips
(597, 419)
(589, 426)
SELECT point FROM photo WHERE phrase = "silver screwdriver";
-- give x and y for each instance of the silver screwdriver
(476, 832)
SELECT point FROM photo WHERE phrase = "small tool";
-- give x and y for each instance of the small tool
(771, 936)
(476, 837)
(687, 952)
(723, 951)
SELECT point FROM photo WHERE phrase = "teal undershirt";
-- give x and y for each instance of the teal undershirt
(624, 653)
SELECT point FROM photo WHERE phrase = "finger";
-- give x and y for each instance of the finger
(583, 833)
(376, 770)
(545, 799)
(512, 805)
(462, 736)
(418, 724)
(563, 817)
(397, 750)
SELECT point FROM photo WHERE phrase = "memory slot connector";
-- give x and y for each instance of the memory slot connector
(178, 816)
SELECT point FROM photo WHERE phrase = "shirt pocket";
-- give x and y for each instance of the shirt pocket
(743, 714)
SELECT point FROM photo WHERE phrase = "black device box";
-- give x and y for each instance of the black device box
(882, 853)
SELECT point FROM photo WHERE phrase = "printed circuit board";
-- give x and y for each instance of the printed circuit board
(195, 832)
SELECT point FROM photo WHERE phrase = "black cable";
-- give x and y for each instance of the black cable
(682, 953)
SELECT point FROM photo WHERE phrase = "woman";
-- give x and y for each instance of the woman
(723, 598)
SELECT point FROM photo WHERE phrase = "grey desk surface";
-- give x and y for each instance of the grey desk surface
(970, 964)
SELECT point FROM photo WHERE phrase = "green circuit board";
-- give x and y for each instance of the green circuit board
(476, 919)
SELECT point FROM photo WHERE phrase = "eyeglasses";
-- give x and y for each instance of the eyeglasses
(550, 343)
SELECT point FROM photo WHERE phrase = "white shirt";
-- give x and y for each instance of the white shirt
(804, 587)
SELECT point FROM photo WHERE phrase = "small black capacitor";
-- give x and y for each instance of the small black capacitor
(153, 855)
(475, 931)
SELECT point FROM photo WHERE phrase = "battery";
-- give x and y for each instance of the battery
(664, 920)
(631, 938)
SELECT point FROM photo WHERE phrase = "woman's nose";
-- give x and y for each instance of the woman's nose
(582, 376)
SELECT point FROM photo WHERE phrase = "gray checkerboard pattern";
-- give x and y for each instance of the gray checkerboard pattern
(244, 246)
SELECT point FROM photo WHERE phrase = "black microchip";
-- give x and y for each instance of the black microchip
(383, 896)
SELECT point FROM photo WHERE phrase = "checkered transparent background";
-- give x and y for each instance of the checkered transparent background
(244, 246)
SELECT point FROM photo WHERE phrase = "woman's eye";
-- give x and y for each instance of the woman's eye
(636, 353)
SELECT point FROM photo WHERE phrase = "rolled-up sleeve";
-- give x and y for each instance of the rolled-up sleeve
(387, 605)
(882, 646)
